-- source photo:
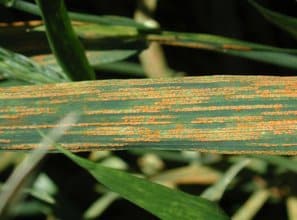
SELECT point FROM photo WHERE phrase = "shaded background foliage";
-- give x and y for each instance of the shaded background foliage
(231, 18)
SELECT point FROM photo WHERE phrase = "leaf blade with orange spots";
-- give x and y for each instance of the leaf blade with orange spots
(224, 114)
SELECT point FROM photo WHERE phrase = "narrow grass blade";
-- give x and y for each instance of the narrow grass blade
(223, 114)
(275, 58)
(252, 205)
(126, 68)
(193, 40)
(216, 191)
(100, 205)
(117, 27)
(259, 52)
(16, 37)
(264, 53)
(63, 41)
(19, 67)
(284, 22)
(21, 175)
(161, 201)
(103, 20)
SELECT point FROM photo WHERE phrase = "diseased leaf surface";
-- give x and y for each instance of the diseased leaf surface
(224, 114)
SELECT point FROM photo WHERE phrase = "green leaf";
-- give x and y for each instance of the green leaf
(92, 31)
(96, 58)
(21, 68)
(11, 82)
(63, 41)
(264, 53)
(159, 200)
(126, 68)
(223, 114)
(110, 31)
(103, 20)
(284, 22)
(259, 52)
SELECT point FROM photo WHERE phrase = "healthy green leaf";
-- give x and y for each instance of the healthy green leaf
(63, 41)
(284, 22)
(159, 200)
(223, 114)
(18, 67)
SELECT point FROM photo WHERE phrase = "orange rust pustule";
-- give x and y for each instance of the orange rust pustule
(236, 47)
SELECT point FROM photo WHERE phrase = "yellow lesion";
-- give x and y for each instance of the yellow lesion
(5, 141)
(229, 107)
(205, 135)
(224, 119)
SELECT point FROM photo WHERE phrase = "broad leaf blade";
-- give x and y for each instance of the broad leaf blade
(161, 201)
(223, 114)
(284, 22)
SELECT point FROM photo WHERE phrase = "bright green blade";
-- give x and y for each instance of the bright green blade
(224, 114)
(161, 201)
(284, 22)
(63, 41)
